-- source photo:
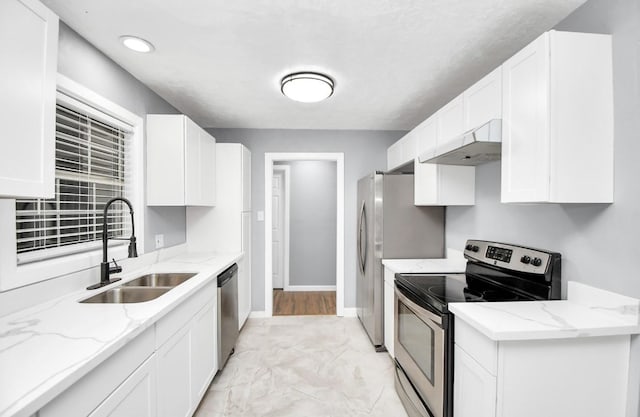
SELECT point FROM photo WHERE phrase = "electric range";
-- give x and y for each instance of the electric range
(495, 272)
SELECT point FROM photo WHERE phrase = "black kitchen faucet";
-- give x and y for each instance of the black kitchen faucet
(105, 269)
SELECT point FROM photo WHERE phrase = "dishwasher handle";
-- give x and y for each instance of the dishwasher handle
(227, 274)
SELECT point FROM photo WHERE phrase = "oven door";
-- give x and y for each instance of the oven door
(419, 350)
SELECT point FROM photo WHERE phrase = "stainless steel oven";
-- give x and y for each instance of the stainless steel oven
(423, 339)
(419, 350)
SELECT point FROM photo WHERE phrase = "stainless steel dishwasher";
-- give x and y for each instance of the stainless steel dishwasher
(227, 313)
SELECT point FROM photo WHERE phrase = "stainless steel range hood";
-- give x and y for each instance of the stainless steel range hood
(475, 147)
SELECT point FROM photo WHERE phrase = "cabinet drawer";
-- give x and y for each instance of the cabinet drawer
(179, 317)
(86, 394)
(478, 346)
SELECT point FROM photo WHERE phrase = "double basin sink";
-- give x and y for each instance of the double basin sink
(145, 288)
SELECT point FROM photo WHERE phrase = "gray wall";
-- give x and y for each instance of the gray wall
(81, 62)
(599, 243)
(364, 152)
(312, 231)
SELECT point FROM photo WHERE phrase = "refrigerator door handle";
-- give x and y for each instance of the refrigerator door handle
(362, 255)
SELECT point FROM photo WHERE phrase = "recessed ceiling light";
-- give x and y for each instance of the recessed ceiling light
(307, 87)
(136, 44)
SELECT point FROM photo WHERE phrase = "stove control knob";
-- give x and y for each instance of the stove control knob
(469, 247)
(536, 262)
(525, 259)
(475, 248)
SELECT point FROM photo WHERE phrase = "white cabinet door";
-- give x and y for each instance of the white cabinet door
(427, 135)
(192, 164)
(440, 185)
(425, 191)
(204, 360)
(93, 389)
(207, 168)
(444, 185)
(181, 161)
(174, 376)
(244, 271)
(394, 155)
(246, 179)
(165, 160)
(474, 388)
(525, 144)
(409, 148)
(135, 397)
(483, 100)
(389, 311)
(29, 47)
(200, 167)
(557, 143)
(451, 120)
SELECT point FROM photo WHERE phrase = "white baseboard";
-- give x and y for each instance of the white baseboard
(258, 314)
(310, 288)
(349, 312)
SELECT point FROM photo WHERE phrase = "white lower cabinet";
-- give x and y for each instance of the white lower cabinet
(203, 345)
(174, 376)
(163, 372)
(244, 271)
(187, 360)
(134, 397)
(475, 388)
(82, 398)
(577, 376)
(389, 292)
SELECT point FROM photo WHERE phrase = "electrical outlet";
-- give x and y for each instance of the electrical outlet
(159, 241)
(260, 215)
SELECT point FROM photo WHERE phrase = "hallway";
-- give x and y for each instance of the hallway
(304, 303)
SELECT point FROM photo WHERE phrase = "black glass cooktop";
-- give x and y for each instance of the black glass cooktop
(436, 291)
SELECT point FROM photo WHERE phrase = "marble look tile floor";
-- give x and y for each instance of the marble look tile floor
(303, 366)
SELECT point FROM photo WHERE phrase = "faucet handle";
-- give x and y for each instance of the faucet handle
(115, 269)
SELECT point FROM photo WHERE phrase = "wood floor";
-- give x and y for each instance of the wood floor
(304, 303)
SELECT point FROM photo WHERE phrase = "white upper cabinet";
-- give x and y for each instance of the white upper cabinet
(440, 185)
(557, 142)
(401, 152)
(246, 179)
(181, 160)
(29, 47)
(483, 100)
(409, 147)
(451, 120)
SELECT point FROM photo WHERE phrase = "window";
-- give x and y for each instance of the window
(91, 168)
(99, 145)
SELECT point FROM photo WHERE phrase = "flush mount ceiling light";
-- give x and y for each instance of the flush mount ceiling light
(136, 44)
(307, 87)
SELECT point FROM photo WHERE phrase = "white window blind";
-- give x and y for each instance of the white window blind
(91, 168)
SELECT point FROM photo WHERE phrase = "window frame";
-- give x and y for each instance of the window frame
(13, 275)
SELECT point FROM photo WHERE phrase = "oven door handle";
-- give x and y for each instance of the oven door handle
(421, 312)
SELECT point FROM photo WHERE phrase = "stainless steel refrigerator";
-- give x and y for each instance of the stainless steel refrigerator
(390, 226)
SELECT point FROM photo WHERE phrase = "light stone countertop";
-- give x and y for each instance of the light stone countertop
(427, 266)
(587, 312)
(48, 347)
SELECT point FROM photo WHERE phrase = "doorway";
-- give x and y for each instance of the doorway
(277, 238)
(280, 197)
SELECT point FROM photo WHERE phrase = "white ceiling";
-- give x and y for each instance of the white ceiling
(394, 62)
